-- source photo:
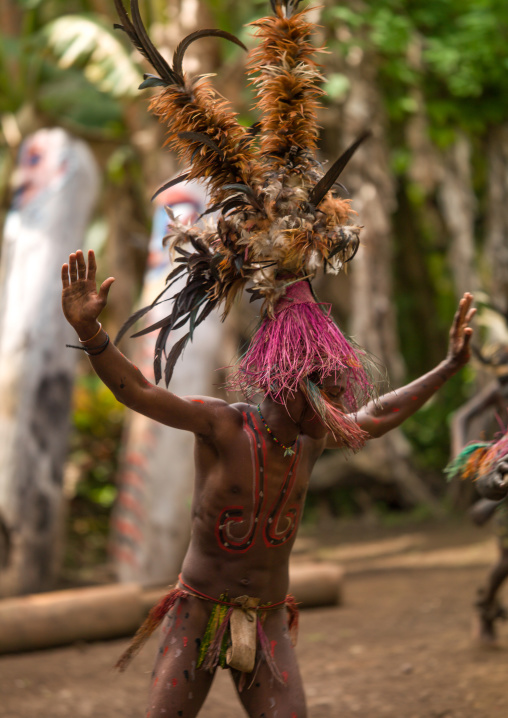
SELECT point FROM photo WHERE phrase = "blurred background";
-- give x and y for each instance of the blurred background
(429, 78)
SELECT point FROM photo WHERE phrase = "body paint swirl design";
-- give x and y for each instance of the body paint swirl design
(232, 517)
(271, 533)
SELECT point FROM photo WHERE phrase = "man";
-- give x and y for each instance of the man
(252, 471)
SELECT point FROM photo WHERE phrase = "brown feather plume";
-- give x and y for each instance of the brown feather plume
(278, 212)
(192, 106)
(286, 79)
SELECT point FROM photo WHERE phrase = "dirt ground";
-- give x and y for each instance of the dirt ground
(400, 645)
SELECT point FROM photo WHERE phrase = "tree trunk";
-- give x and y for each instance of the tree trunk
(372, 310)
(151, 520)
(496, 248)
(458, 206)
(57, 183)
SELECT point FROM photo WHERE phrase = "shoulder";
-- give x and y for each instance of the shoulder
(222, 416)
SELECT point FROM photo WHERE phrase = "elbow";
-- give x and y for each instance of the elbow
(127, 398)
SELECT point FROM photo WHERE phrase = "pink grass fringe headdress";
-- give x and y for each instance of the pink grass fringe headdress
(298, 349)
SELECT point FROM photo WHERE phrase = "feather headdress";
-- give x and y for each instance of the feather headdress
(478, 459)
(280, 217)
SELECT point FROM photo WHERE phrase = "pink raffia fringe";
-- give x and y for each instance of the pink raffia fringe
(299, 348)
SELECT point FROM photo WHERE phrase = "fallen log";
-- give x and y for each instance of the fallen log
(57, 618)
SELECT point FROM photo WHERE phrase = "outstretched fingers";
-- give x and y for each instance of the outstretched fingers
(65, 275)
(465, 312)
(73, 268)
(81, 264)
(105, 287)
(92, 266)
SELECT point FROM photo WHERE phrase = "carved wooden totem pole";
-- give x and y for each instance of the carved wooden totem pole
(150, 525)
(56, 183)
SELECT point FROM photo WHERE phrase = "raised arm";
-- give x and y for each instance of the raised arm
(390, 410)
(82, 305)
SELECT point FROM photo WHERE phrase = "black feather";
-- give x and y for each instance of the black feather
(158, 325)
(184, 44)
(204, 139)
(171, 183)
(152, 81)
(248, 191)
(156, 59)
(130, 321)
(172, 357)
(162, 338)
(328, 180)
(254, 129)
(138, 36)
(288, 6)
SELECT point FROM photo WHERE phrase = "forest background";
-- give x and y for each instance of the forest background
(429, 78)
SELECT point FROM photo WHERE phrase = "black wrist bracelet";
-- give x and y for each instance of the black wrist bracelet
(94, 351)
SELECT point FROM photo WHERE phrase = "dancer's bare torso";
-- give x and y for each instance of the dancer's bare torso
(247, 506)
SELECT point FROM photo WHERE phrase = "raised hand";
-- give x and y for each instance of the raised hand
(81, 303)
(459, 351)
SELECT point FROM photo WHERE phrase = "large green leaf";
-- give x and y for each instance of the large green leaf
(80, 105)
(84, 41)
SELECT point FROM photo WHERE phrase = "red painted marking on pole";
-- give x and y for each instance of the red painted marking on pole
(198, 401)
(394, 411)
(156, 680)
(124, 526)
(166, 649)
(149, 437)
(174, 682)
(129, 503)
(131, 477)
(123, 554)
(136, 458)
(185, 641)
(285, 676)
(272, 648)
(414, 398)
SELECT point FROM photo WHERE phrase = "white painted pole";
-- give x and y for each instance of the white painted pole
(151, 519)
(56, 182)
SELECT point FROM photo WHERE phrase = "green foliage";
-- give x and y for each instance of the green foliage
(336, 86)
(454, 51)
(93, 460)
(428, 429)
(79, 105)
(72, 68)
(89, 43)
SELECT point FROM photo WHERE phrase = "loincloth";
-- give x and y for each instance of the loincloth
(229, 641)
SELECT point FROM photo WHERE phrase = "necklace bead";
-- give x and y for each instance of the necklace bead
(288, 450)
